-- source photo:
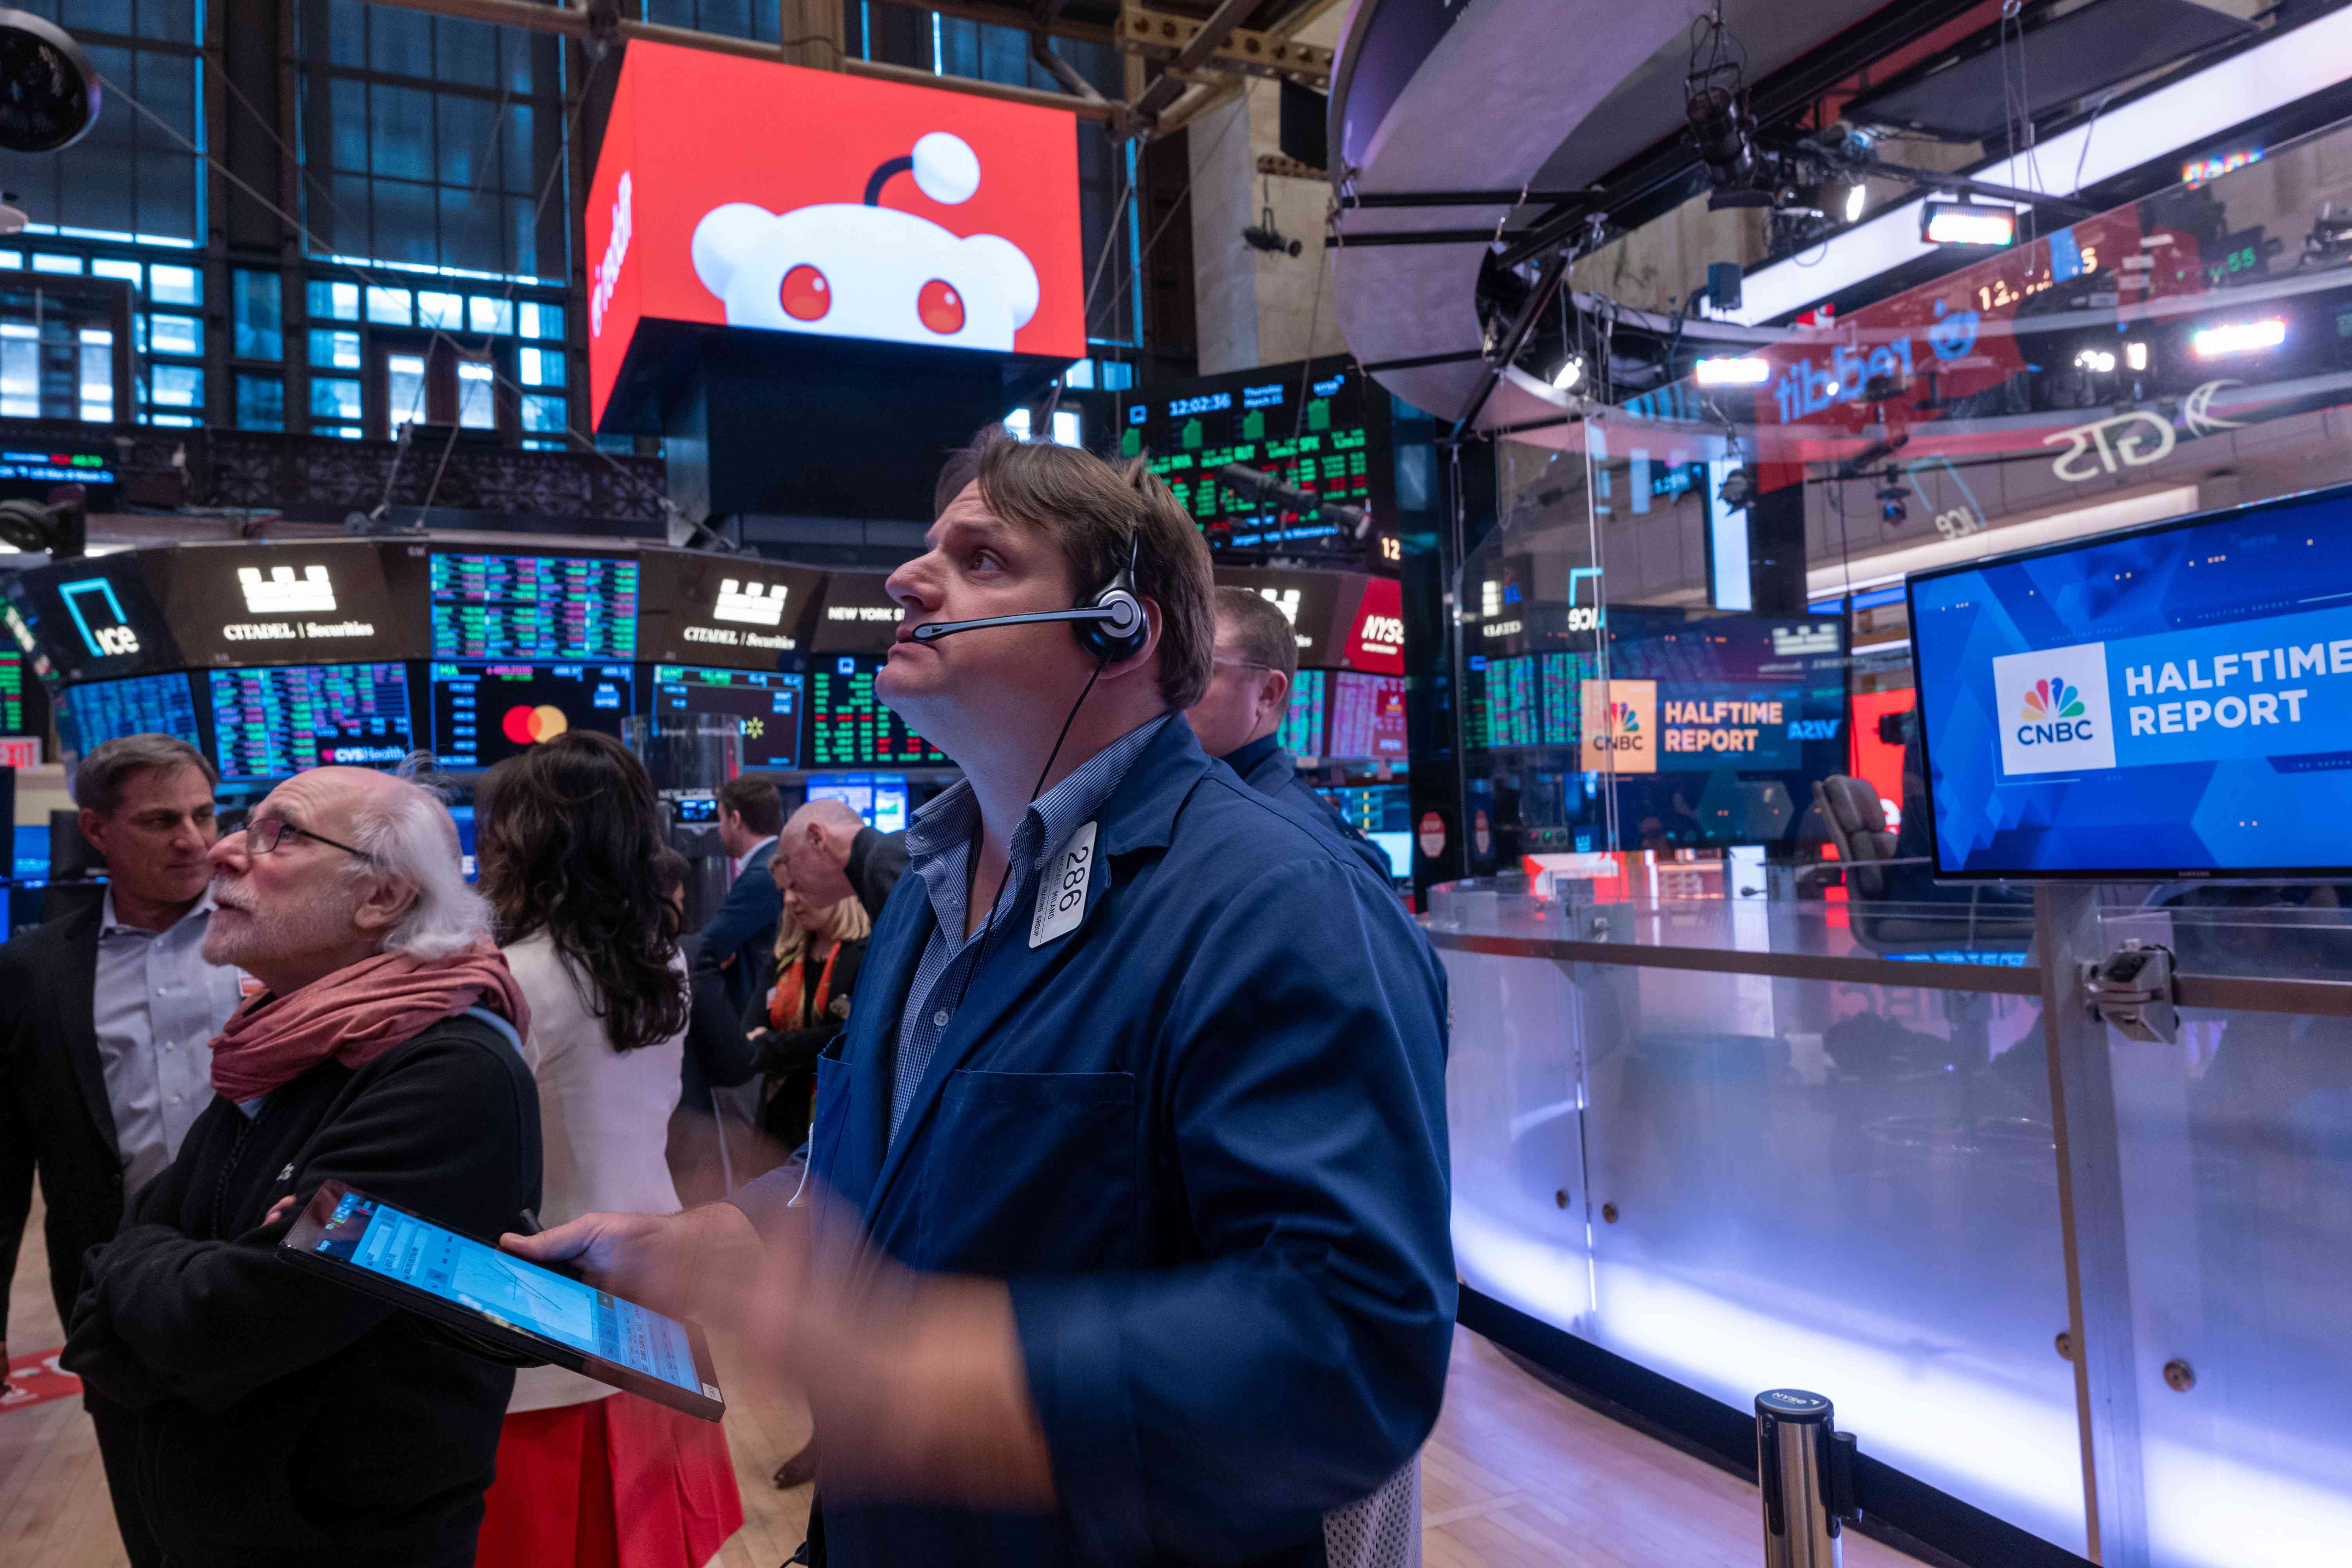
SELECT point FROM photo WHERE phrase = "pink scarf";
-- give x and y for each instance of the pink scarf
(356, 1014)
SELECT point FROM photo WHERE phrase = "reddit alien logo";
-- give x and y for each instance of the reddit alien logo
(864, 270)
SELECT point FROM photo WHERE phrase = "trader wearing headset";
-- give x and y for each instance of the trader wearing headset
(1137, 1249)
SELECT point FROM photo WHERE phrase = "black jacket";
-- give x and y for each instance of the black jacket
(876, 861)
(788, 1057)
(283, 1418)
(54, 1113)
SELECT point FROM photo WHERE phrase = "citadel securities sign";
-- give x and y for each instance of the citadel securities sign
(750, 193)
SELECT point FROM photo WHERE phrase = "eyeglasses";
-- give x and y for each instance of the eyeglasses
(1241, 664)
(264, 836)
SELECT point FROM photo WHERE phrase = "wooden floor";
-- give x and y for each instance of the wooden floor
(1515, 1475)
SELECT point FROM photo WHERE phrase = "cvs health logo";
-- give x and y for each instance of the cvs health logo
(2053, 710)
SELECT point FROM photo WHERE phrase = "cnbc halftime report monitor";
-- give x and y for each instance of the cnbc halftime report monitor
(2174, 702)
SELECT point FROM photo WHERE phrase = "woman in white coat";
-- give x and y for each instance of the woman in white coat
(590, 1477)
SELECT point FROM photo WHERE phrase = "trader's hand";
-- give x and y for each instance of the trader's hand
(689, 1265)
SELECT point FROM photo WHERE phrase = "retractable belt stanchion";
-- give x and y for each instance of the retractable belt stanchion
(1805, 1468)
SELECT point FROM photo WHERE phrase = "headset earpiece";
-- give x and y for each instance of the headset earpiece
(1124, 636)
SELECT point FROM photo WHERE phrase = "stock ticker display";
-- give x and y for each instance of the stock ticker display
(102, 710)
(1302, 722)
(273, 723)
(766, 704)
(485, 713)
(12, 693)
(1320, 429)
(1367, 717)
(533, 607)
(849, 725)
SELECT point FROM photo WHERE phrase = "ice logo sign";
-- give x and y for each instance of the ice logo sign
(105, 629)
(864, 271)
(751, 604)
(283, 593)
(2054, 708)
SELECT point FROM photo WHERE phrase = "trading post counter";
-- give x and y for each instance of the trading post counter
(1709, 1147)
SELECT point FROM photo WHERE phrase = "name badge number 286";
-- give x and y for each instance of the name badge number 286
(1062, 893)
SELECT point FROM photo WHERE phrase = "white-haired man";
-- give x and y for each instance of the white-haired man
(282, 1418)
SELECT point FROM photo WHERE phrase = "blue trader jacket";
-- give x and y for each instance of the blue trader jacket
(1203, 1137)
(1266, 768)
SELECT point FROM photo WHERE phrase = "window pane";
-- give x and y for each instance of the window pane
(335, 302)
(177, 385)
(175, 285)
(404, 379)
(399, 132)
(486, 315)
(109, 267)
(331, 349)
(477, 403)
(541, 367)
(543, 414)
(59, 263)
(175, 334)
(387, 307)
(97, 376)
(441, 311)
(11, 260)
(331, 397)
(541, 321)
(348, 432)
(258, 333)
(260, 403)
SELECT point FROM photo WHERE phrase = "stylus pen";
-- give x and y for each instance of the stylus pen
(531, 1226)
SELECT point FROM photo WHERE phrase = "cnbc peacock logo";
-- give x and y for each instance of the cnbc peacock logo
(1621, 731)
(2050, 705)
(2058, 698)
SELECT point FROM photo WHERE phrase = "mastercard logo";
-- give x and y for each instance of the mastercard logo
(525, 726)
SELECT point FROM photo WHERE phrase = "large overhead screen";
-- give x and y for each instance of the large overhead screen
(1321, 428)
(506, 606)
(281, 604)
(89, 619)
(2175, 701)
(849, 725)
(278, 721)
(733, 610)
(748, 194)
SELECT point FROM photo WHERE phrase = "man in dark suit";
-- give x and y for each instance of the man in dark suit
(1236, 720)
(105, 1018)
(742, 929)
(830, 855)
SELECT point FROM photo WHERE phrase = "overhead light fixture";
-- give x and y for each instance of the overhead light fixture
(1854, 196)
(1966, 223)
(2097, 360)
(2136, 355)
(2239, 337)
(1750, 370)
(1570, 372)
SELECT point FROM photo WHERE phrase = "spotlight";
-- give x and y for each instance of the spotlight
(2239, 337)
(1855, 195)
(1263, 236)
(2096, 360)
(1750, 370)
(2136, 355)
(1570, 372)
(49, 94)
(1966, 223)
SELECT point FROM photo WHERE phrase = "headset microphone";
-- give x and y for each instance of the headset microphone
(1112, 628)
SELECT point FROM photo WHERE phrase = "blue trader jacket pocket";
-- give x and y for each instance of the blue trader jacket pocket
(1042, 1171)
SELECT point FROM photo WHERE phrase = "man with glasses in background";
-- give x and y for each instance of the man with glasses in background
(1237, 718)
(279, 1417)
(104, 1015)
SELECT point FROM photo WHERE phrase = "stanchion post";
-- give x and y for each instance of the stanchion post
(1804, 1467)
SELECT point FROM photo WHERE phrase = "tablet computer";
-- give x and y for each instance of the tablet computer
(519, 1306)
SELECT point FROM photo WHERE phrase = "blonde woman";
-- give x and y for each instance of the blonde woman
(803, 1001)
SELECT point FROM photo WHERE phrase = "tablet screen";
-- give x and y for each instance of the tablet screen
(424, 1256)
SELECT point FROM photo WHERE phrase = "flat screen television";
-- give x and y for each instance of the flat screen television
(2173, 702)
(485, 713)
